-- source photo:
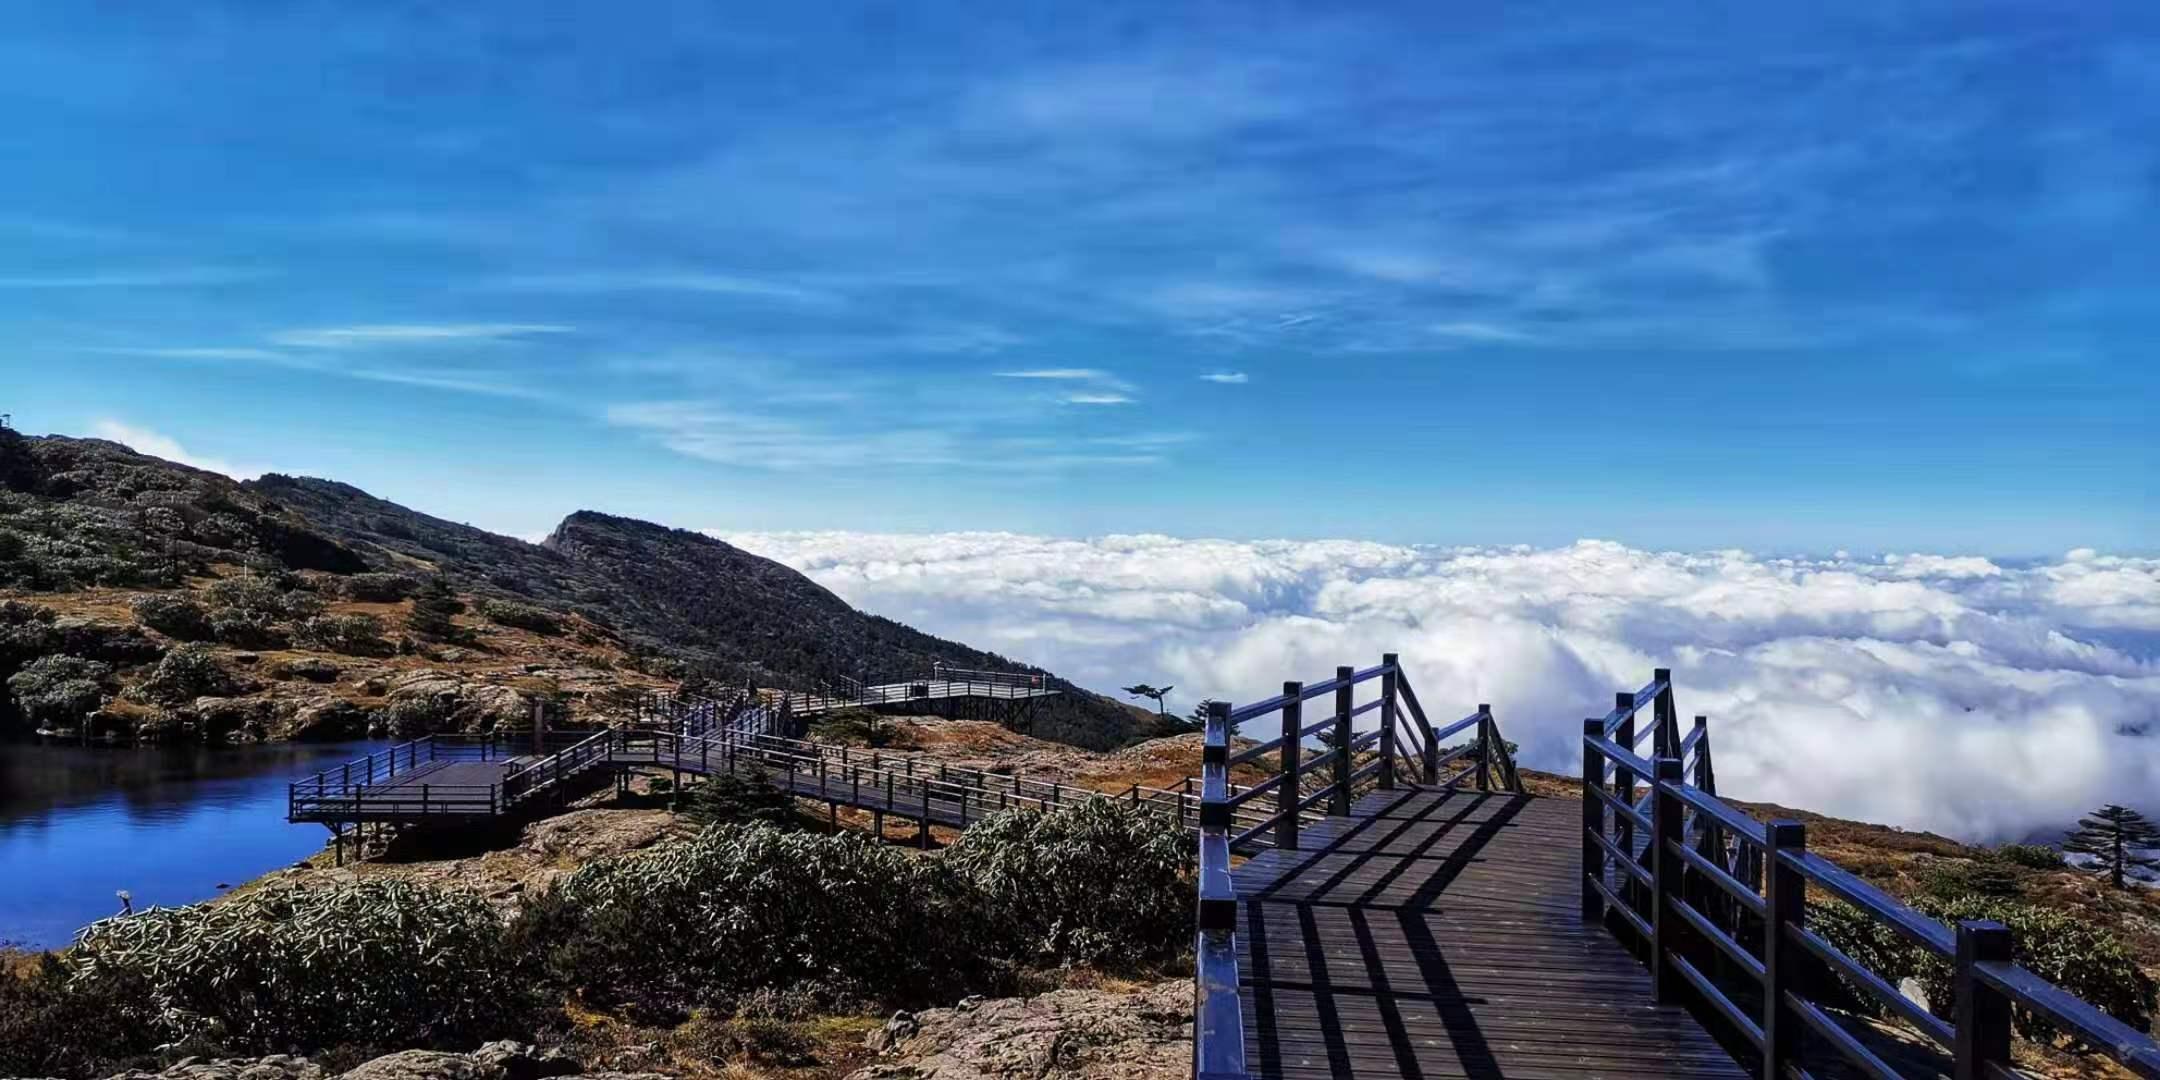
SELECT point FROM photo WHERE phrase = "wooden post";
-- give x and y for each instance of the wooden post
(1484, 747)
(877, 824)
(1593, 817)
(1785, 907)
(1983, 1012)
(1667, 931)
(1345, 696)
(926, 814)
(1623, 785)
(539, 728)
(1387, 722)
(1286, 802)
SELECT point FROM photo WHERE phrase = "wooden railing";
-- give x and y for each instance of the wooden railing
(1716, 904)
(905, 783)
(1402, 743)
(339, 785)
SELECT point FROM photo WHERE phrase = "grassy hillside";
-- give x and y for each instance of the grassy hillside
(115, 560)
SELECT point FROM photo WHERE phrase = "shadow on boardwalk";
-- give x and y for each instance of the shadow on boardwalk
(1438, 934)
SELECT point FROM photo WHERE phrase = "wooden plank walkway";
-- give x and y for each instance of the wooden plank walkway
(1438, 933)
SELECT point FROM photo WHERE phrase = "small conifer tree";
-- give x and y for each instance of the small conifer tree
(2115, 836)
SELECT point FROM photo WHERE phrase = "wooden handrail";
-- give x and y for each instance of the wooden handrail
(1672, 900)
(1218, 1017)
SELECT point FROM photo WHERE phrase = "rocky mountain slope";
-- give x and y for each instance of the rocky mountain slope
(298, 581)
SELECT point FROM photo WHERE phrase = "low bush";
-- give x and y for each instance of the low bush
(1100, 882)
(2030, 856)
(1958, 877)
(749, 907)
(353, 635)
(174, 616)
(59, 691)
(858, 727)
(377, 588)
(2085, 959)
(185, 673)
(377, 963)
(54, 1025)
(521, 616)
(740, 799)
(761, 1040)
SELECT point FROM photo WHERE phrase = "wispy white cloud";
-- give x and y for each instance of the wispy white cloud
(239, 353)
(1227, 378)
(345, 337)
(673, 281)
(164, 446)
(1481, 332)
(1097, 399)
(1874, 689)
(132, 279)
(1089, 374)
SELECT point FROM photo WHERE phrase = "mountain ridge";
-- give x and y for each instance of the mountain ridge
(81, 514)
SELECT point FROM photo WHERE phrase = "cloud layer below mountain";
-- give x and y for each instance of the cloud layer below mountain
(1951, 693)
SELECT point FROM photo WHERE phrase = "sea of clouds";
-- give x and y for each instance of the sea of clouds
(1953, 693)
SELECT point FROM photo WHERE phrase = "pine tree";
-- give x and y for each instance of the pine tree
(2114, 836)
(432, 609)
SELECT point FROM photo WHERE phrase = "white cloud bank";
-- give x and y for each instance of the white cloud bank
(1947, 693)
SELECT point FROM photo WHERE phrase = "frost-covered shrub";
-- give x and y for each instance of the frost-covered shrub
(174, 616)
(377, 963)
(59, 691)
(1100, 882)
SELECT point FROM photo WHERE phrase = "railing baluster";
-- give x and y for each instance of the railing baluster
(1286, 801)
(1593, 816)
(1345, 700)
(1387, 723)
(1665, 865)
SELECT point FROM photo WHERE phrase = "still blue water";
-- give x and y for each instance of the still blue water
(172, 825)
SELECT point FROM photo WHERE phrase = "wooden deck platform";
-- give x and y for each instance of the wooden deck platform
(1438, 933)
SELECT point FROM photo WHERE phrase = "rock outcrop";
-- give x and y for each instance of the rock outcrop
(1064, 1034)
(503, 1060)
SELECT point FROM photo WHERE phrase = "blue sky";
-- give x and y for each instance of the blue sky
(1867, 276)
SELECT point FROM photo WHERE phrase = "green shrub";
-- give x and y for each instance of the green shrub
(59, 691)
(740, 799)
(2030, 856)
(761, 1040)
(2082, 958)
(745, 907)
(353, 635)
(174, 616)
(521, 616)
(856, 727)
(377, 963)
(434, 611)
(377, 588)
(52, 1024)
(187, 672)
(1100, 882)
(1955, 878)
(2085, 959)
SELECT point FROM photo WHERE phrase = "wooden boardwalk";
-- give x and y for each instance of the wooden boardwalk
(1439, 933)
